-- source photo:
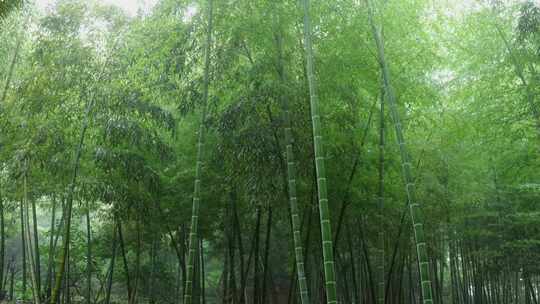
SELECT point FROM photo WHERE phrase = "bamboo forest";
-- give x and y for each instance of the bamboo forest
(270, 151)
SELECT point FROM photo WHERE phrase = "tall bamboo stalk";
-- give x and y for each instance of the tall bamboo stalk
(88, 255)
(266, 270)
(414, 206)
(291, 177)
(23, 255)
(193, 234)
(111, 267)
(134, 295)
(51, 249)
(29, 246)
(2, 244)
(89, 98)
(521, 75)
(326, 228)
(256, 245)
(202, 273)
(11, 281)
(11, 69)
(66, 293)
(124, 258)
(381, 283)
(151, 280)
(69, 207)
(36, 247)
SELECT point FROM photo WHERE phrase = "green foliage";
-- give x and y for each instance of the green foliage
(465, 78)
(7, 6)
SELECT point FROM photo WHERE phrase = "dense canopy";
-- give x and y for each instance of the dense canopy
(270, 151)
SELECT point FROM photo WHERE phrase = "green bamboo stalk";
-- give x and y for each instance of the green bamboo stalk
(23, 249)
(193, 235)
(414, 206)
(29, 246)
(124, 258)
(202, 271)
(52, 238)
(88, 255)
(381, 289)
(11, 69)
(326, 228)
(36, 247)
(2, 243)
(291, 176)
(521, 75)
(69, 206)
(134, 295)
(11, 281)
(67, 214)
(111, 265)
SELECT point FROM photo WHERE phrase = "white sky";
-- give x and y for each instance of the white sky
(129, 6)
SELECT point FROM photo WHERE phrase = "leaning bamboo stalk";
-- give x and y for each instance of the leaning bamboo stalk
(67, 214)
(414, 206)
(69, 207)
(521, 75)
(10, 71)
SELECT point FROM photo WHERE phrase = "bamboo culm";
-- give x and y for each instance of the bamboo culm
(291, 184)
(23, 249)
(113, 259)
(381, 240)
(88, 256)
(29, 245)
(51, 249)
(10, 72)
(69, 207)
(2, 244)
(414, 206)
(193, 234)
(324, 212)
(36, 248)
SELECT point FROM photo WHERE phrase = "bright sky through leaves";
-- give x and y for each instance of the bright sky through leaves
(129, 6)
